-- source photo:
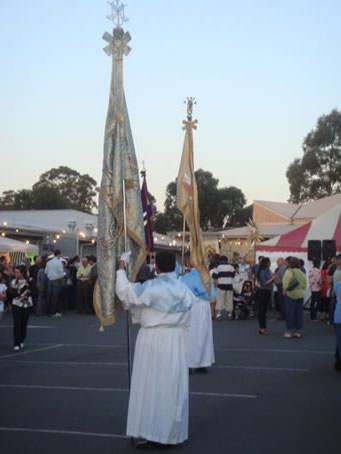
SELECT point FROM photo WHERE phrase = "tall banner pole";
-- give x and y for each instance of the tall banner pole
(187, 197)
(127, 312)
(183, 246)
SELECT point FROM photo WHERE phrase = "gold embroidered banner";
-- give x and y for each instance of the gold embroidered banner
(119, 163)
(187, 203)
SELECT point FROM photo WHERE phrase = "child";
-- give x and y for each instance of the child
(3, 289)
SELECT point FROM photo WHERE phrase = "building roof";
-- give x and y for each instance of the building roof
(56, 222)
(10, 245)
(286, 210)
(266, 230)
(324, 227)
(46, 220)
(318, 207)
(309, 210)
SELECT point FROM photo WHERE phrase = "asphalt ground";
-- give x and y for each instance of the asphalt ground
(66, 392)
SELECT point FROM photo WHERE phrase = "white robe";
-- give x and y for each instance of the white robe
(201, 350)
(158, 402)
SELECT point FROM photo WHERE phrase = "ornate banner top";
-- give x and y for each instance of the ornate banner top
(117, 13)
(190, 101)
(118, 43)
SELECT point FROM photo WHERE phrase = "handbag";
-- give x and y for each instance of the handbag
(293, 283)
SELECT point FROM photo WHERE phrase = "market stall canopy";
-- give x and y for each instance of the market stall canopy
(324, 227)
(8, 245)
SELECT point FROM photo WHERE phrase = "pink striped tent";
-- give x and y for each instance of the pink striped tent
(324, 227)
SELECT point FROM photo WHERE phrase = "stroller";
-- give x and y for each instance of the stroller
(244, 303)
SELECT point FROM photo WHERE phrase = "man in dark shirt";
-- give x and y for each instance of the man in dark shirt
(33, 273)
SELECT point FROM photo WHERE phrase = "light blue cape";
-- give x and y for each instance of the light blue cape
(194, 283)
(166, 293)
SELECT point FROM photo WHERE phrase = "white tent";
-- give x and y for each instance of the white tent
(325, 227)
(8, 245)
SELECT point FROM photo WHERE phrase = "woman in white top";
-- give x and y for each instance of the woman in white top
(315, 284)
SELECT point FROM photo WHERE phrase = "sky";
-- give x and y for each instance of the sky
(262, 73)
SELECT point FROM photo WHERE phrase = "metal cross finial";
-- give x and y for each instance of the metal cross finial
(190, 101)
(117, 13)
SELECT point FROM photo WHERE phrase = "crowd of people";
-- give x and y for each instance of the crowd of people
(175, 310)
(258, 289)
(52, 285)
(48, 287)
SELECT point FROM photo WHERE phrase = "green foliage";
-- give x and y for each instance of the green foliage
(7, 200)
(77, 190)
(48, 198)
(231, 203)
(23, 200)
(171, 211)
(59, 188)
(318, 173)
(161, 223)
(219, 207)
(152, 201)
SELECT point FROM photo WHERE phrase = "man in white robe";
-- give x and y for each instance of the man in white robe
(158, 403)
(200, 337)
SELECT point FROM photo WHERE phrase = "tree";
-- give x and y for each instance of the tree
(232, 201)
(209, 199)
(174, 216)
(48, 198)
(161, 223)
(219, 207)
(152, 201)
(23, 200)
(242, 216)
(7, 200)
(318, 173)
(58, 188)
(77, 190)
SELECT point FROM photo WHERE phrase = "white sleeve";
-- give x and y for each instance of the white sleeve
(125, 290)
(60, 270)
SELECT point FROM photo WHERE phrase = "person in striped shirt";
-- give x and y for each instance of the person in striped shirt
(223, 276)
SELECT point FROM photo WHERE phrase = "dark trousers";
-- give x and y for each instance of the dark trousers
(20, 321)
(91, 297)
(279, 300)
(83, 297)
(316, 305)
(294, 314)
(326, 304)
(332, 304)
(338, 342)
(263, 298)
(71, 296)
(41, 305)
(54, 290)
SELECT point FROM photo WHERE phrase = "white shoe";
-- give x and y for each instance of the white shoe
(16, 348)
(56, 315)
(22, 345)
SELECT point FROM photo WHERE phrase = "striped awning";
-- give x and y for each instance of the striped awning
(325, 227)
